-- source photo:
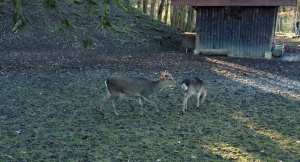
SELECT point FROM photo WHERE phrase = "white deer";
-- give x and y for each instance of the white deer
(135, 87)
(193, 86)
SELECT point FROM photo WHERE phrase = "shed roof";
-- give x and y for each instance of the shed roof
(234, 3)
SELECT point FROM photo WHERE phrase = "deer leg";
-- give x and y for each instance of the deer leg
(150, 100)
(198, 98)
(114, 98)
(203, 95)
(141, 104)
(184, 104)
(106, 98)
(185, 98)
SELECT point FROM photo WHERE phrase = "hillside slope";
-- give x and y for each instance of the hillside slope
(76, 25)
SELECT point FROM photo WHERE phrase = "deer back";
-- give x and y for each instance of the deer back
(130, 86)
(192, 83)
(138, 87)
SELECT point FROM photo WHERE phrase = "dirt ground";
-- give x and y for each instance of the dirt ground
(51, 94)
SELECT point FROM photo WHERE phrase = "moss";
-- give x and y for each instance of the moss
(1, 5)
(78, 1)
(106, 22)
(91, 7)
(50, 4)
(92, 3)
(154, 22)
(121, 5)
(65, 23)
(19, 20)
(88, 43)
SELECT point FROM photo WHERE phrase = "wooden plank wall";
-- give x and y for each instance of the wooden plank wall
(251, 36)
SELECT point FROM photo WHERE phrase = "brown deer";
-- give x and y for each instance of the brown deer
(135, 87)
(193, 86)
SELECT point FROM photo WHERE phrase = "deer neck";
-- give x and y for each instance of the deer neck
(157, 85)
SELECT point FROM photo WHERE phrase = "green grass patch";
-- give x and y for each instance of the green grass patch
(91, 7)
(55, 116)
(154, 22)
(92, 3)
(66, 24)
(121, 5)
(88, 43)
(1, 5)
(78, 1)
(50, 4)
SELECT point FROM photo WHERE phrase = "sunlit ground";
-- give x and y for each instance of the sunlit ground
(268, 82)
(289, 143)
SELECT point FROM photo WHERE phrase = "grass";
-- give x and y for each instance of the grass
(88, 43)
(50, 4)
(1, 5)
(55, 116)
(66, 24)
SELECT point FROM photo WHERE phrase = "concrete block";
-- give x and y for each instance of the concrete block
(268, 55)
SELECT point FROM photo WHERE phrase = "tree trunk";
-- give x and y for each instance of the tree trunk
(182, 18)
(190, 20)
(175, 17)
(298, 6)
(152, 7)
(160, 10)
(167, 12)
(171, 15)
(297, 17)
(145, 5)
(18, 16)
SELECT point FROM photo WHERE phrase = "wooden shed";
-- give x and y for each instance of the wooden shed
(237, 28)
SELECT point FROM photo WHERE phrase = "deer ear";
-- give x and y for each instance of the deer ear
(163, 73)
